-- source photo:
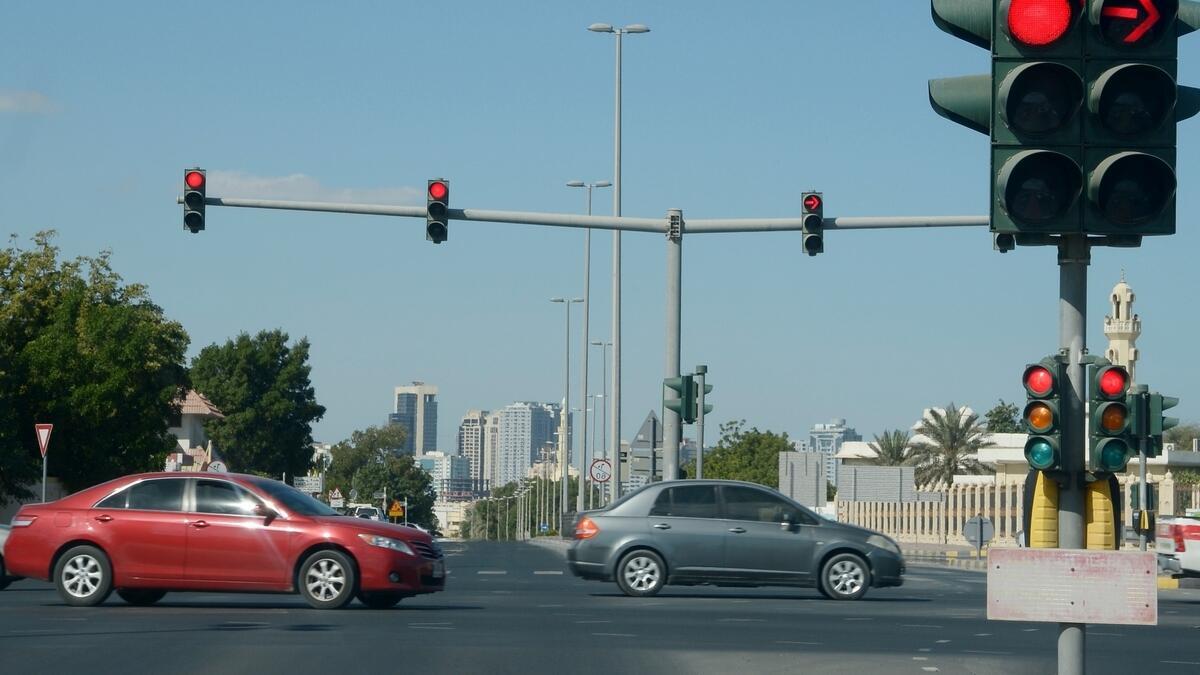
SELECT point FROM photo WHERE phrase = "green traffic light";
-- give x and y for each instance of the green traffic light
(1114, 454)
(1041, 453)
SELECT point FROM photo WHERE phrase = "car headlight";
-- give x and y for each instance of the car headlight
(884, 543)
(386, 542)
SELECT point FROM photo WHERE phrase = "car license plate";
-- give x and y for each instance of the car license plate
(439, 569)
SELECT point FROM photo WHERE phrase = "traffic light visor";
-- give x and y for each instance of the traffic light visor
(1041, 97)
(1040, 453)
(1135, 98)
(1039, 381)
(1040, 186)
(1039, 23)
(1132, 188)
(437, 190)
(194, 180)
(812, 202)
(1114, 454)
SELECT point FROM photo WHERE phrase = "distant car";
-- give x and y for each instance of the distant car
(148, 534)
(368, 512)
(728, 533)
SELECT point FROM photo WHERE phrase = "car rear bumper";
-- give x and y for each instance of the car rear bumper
(587, 560)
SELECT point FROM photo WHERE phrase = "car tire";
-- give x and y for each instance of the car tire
(327, 580)
(141, 597)
(83, 576)
(641, 573)
(845, 576)
(380, 600)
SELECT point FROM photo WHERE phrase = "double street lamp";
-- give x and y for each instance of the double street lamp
(564, 438)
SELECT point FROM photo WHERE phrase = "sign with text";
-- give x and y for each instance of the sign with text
(1072, 586)
(309, 484)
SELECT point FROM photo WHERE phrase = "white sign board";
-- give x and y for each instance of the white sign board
(1072, 586)
(601, 471)
(309, 484)
(337, 502)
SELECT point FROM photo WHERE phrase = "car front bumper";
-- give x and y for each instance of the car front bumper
(385, 570)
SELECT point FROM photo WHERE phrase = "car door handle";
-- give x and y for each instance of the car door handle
(104, 518)
(662, 526)
(737, 530)
(200, 524)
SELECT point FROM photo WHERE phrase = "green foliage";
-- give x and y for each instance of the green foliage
(262, 387)
(1003, 418)
(952, 438)
(891, 449)
(368, 462)
(1182, 435)
(744, 455)
(363, 447)
(89, 354)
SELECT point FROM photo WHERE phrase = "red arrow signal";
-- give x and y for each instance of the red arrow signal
(1153, 16)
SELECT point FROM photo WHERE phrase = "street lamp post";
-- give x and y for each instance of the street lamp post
(604, 408)
(587, 295)
(564, 438)
(616, 256)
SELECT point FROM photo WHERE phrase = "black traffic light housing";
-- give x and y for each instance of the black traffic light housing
(1043, 382)
(1110, 428)
(813, 222)
(195, 183)
(437, 207)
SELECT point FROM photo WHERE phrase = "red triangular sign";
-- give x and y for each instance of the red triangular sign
(43, 435)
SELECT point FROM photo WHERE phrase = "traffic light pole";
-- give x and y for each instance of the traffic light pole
(701, 371)
(672, 427)
(1074, 255)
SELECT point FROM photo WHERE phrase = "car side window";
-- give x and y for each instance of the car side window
(691, 501)
(163, 494)
(220, 497)
(744, 503)
(116, 501)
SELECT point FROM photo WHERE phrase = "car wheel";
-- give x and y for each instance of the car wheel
(83, 576)
(380, 600)
(845, 577)
(141, 597)
(641, 574)
(327, 580)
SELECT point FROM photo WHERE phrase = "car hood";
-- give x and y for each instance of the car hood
(852, 531)
(377, 527)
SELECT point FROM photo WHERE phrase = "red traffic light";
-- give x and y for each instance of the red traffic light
(437, 190)
(812, 202)
(1039, 23)
(194, 179)
(1113, 382)
(1039, 381)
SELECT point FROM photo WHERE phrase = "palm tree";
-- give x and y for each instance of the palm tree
(951, 438)
(891, 449)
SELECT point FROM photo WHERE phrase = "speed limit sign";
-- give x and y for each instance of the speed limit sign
(601, 471)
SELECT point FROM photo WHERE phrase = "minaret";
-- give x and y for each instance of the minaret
(1122, 328)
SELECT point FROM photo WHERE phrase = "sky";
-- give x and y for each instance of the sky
(731, 110)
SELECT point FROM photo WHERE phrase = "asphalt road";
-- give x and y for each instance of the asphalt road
(512, 608)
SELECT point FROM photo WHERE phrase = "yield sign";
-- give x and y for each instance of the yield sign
(43, 434)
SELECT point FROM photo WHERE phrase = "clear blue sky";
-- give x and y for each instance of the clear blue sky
(731, 110)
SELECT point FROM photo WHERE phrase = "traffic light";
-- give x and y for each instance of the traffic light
(437, 205)
(685, 405)
(1158, 424)
(1043, 382)
(1110, 434)
(707, 406)
(194, 184)
(1133, 104)
(813, 222)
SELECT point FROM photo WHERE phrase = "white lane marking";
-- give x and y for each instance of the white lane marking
(1029, 630)
(548, 606)
(741, 620)
(492, 572)
(942, 642)
(1182, 663)
(919, 625)
(859, 618)
(615, 634)
(920, 658)
(556, 572)
(794, 642)
(929, 669)
(924, 649)
(432, 627)
(983, 635)
(981, 651)
(432, 623)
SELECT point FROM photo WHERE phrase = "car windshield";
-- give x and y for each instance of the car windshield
(292, 499)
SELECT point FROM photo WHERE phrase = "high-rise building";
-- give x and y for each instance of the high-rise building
(450, 475)
(471, 441)
(523, 429)
(491, 450)
(827, 439)
(416, 411)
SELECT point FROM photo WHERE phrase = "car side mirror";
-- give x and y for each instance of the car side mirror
(786, 523)
(266, 513)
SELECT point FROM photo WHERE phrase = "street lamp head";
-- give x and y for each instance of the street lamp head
(635, 28)
(575, 183)
(576, 299)
(557, 300)
(602, 183)
(601, 28)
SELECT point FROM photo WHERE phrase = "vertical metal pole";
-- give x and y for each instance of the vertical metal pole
(701, 371)
(1143, 432)
(604, 411)
(672, 424)
(1074, 255)
(583, 384)
(615, 422)
(566, 411)
(44, 455)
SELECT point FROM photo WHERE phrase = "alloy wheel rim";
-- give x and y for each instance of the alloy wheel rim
(846, 577)
(325, 580)
(642, 574)
(81, 576)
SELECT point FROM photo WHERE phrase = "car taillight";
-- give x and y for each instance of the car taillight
(1177, 535)
(586, 528)
(23, 521)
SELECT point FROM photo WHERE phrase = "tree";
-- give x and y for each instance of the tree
(951, 439)
(1003, 418)
(1182, 435)
(262, 387)
(891, 449)
(93, 356)
(400, 478)
(363, 447)
(744, 455)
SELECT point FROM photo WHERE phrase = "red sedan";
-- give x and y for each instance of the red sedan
(151, 533)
